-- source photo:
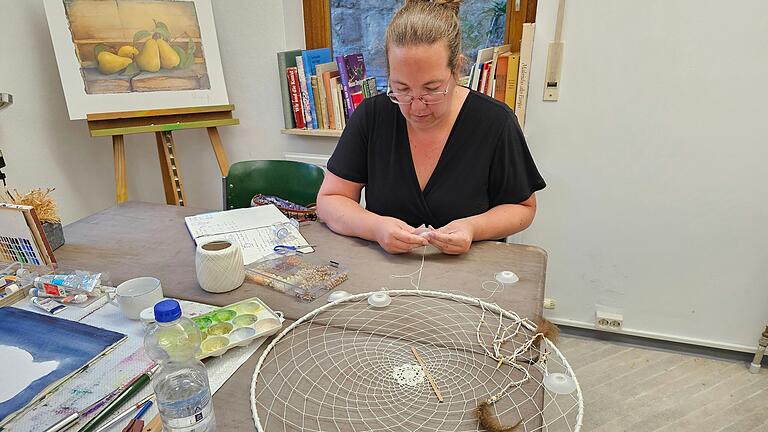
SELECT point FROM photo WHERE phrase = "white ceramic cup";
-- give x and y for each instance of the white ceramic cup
(135, 295)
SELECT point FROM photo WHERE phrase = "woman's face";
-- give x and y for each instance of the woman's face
(418, 70)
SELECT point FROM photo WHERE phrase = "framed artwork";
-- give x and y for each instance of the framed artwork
(127, 55)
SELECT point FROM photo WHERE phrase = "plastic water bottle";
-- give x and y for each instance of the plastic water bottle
(181, 384)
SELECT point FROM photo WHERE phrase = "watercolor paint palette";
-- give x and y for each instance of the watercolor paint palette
(292, 275)
(235, 325)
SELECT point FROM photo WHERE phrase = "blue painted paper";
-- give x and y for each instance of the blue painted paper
(48, 339)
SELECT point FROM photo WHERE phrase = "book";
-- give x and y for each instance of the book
(316, 102)
(334, 84)
(303, 90)
(311, 59)
(500, 80)
(369, 86)
(483, 88)
(323, 81)
(344, 81)
(296, 104)
(526, 54)
(483, 56)
(285, 60)
(342, 104)
(510, 95)
(356, 76)
(492, 73)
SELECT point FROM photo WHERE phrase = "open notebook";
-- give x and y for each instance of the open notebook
(250, 227)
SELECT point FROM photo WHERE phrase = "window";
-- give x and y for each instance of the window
(360, 26)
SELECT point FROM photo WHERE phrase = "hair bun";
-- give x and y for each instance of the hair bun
(450, 4)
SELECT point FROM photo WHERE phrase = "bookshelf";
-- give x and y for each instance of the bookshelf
(313, 132)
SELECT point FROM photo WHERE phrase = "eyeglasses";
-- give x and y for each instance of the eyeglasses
(426, 98)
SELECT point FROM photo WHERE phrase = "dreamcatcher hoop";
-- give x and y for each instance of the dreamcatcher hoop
(407, 373)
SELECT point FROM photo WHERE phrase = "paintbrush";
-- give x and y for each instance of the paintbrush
(71, 419)
(137, 424)
(125, 414)
(131, 390)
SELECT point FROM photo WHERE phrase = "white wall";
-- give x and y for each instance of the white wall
(655, 158)
(45, 149)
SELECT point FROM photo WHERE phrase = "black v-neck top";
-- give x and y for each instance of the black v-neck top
(485, 162)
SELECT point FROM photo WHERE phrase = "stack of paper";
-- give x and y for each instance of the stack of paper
(251, 228)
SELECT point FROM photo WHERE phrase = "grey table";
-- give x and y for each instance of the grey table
(141, 239)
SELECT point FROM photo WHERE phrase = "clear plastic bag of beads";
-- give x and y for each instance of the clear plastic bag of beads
(294, 275)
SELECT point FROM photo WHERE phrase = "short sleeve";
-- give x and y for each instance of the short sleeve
(513, 176)
(350, 158)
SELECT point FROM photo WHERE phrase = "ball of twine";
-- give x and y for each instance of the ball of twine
(219, 266)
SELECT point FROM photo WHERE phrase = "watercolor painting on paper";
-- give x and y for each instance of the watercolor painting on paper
(40, 351)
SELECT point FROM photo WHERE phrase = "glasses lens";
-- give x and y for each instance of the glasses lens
(400, 98)
(433, 98)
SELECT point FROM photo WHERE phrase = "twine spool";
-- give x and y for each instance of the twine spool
(219, 266)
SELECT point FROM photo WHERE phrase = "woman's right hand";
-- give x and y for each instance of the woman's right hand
(396, 236)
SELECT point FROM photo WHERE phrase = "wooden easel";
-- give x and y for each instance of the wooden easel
(162, 122)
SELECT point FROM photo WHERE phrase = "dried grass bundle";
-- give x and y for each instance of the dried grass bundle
(42, 202)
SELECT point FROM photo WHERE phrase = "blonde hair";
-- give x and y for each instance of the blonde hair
(425, 22)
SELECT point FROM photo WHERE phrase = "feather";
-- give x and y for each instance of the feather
(488, 420)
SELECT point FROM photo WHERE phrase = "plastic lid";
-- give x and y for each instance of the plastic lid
(379, 299)
(559, 383)
(167, 310)
(507, 277)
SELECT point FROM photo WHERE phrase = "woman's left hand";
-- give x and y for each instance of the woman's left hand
(453, 239)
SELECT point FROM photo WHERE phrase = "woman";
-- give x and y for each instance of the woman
(430, 152)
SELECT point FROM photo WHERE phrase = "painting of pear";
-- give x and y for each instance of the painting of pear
(149, 57)
(112, 63)
(127, 51)
(169, 58)
(127, 46)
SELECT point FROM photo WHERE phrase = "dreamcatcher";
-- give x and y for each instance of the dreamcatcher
(413, 360)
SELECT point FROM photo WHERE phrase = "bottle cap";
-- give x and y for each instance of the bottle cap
(167, 310)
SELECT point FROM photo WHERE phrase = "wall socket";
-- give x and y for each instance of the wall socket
(609, 321)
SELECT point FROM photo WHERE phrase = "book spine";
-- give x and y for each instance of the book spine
(309, 68)
(285, 92)
(316, 102)
(296, 105)
(342, 105)
(327, 91)
(335, 103)
(526, 54)
(323, 106)
(500, 80)
(303, 87)
(344, 84)
(510, 95)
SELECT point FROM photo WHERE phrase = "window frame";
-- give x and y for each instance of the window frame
(317, 22)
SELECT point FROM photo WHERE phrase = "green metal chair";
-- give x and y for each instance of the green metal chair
(297, 182)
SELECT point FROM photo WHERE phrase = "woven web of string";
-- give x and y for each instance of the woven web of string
(350, 366)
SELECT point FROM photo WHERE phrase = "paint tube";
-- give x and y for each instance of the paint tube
(63, 285)
(48, 305)
(66, 298)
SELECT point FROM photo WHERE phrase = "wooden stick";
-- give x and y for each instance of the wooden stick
(154, 425)
(429, 375)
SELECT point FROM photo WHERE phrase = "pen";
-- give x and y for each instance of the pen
(137, 385)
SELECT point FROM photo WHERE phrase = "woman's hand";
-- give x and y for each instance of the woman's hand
(396, 236)
(453, 239)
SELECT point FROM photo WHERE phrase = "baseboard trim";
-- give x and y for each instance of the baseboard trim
(661, 345)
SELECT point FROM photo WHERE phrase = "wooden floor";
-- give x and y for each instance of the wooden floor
(634, 389)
